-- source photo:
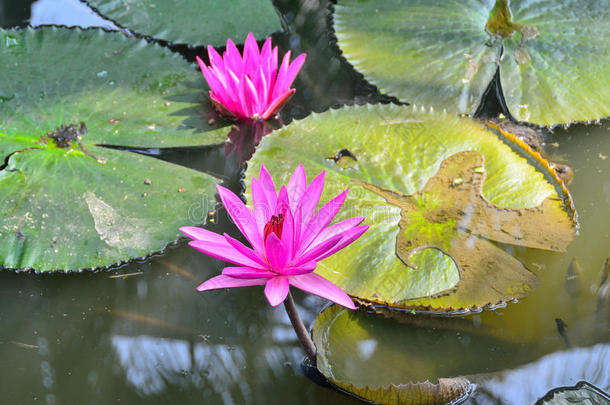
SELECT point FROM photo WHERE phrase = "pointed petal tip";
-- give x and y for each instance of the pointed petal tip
(190, 231)
(276, 290)
(350, 305)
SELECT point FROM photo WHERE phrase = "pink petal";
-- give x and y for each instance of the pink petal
(293, 69)
(266, 182)
(297, 186)
(197, 233)
(288, 233)
(252, 96)
(276, 253)
(226, 111)
(215, 60)
(277, 104)
(348, 237)
(317, 250)
(298, 227)
(283, 203)
(233, 83)
(245, 102)
(273, 69)
(213, 82)
(247, 273)
(229, 282)
(322, 218)
(232, 58)
(279, 87)
(251, 55)
(262, 88)
(339, 227)
(263, 210)
(266, 65)
(302, 269)
(276, 290)
(310, 199)
(318, 285)
(224, 252)
(217, 246)
(266, 50)
(242, 217)
(246, 251)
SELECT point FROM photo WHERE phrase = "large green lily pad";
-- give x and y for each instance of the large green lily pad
(552, 56)
(436, 190)
(193, 22)
(67, 203)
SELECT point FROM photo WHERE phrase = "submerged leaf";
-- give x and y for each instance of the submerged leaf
(552, 55)
(388, 363)
(65, 202)
(193, 22)
(436, 191)
(581, 393)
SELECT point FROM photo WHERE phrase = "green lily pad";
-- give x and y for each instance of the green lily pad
(67, 203)
(388, 363)
(436, 190)
(193, 22)
(552, 56)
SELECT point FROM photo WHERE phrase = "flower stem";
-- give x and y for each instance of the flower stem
(299, 328)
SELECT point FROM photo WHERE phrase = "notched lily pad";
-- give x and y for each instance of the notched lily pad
(66, 203)
(552, 56)
(193, 22)
(437, 192)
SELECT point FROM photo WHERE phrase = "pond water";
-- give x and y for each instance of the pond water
(142, 334)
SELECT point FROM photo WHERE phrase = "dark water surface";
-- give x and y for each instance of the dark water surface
(143, 335)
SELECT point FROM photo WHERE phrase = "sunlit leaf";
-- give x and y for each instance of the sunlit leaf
(436, 191)
(553, 67)
(67, 203)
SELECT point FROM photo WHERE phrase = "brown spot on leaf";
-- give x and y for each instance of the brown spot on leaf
(455, 218)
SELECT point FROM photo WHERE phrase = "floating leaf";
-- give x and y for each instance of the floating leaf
(67, 203)
(194, 22)
(444, 54)
(387, 363)
(435, 190)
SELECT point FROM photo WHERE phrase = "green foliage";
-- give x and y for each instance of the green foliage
(65, 202)
(552, 56)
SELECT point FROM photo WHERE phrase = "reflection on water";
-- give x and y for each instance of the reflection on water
(152, 364)
(534, 380)
(150, 338)
(67, 12)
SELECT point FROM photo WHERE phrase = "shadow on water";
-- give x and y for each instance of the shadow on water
(142, 334)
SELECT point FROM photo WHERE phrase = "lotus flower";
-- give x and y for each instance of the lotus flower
(287, 236)
(250, 87)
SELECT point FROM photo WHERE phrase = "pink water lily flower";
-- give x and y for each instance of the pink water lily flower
(287, 235)
(250, 87)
